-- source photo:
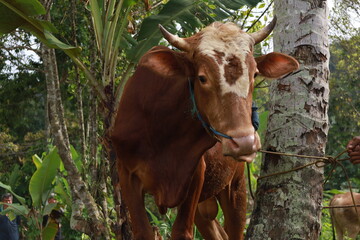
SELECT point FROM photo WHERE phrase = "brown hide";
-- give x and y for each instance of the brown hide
(224, 182)
(151, 141)
(345, 220)
(158, 142)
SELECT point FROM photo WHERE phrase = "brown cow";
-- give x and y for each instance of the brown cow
(159, 141)
(225, 182)
(345, 220)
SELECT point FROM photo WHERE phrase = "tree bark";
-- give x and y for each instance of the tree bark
(288, 206)
(93, 225)
(79, 89)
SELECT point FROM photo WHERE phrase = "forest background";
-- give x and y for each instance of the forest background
(26, 143)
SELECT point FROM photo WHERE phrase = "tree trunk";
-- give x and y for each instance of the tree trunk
(81, 198)
(79, 89)
(288, 206)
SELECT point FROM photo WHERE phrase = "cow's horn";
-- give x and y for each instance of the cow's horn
(263, 33)
(174, 40)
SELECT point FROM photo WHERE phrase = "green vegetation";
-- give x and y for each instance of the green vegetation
(24, 115)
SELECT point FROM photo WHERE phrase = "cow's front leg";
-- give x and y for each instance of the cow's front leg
(184, 223)
(132, 191)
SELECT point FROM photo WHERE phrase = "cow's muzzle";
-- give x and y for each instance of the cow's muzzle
(242, 148)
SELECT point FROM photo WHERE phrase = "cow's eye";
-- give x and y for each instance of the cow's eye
(202, 79)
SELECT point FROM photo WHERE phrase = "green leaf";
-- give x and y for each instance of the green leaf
(18, 13)
(29, 7)
(7, 187)
(69, 50)
(48, 208)
(9, 20)
(15, 175)
(263, 118)
(75, 156)
(37, 161)
(96, 14)
(62, 189)
(154, 219)
(191, 15)
(41, 181)
(129, 3)
(15, 209)
(261, 6)
(50, 231)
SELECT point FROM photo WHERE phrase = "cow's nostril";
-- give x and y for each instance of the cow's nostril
(240, 146)
(246, 145)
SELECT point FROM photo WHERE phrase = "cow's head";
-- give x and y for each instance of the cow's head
(223, 57)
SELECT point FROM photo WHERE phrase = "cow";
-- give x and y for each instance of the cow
(346, 220)
(179, 104)
(224, 182)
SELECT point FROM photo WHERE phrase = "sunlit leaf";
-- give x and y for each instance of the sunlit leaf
(70, 50)
(37, 161)
(41, 181)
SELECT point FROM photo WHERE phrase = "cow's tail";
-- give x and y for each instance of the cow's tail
(333, 228)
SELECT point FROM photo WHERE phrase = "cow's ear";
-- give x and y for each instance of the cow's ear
(275, 65)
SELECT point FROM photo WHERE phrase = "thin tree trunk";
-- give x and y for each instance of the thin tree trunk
(92, 141)
(288, 206)
(79, 89)
(80, 195)
(92, 225)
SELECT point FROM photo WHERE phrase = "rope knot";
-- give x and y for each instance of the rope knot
(331, 160)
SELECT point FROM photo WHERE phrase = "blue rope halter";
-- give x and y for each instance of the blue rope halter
(207, 126)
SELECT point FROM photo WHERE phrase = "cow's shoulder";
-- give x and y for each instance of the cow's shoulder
(166, 62)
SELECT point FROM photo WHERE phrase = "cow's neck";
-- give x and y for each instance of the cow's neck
(175, 120)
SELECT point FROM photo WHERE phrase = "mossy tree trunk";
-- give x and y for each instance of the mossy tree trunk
(288, 206)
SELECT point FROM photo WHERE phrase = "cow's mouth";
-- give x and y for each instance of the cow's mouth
(245, 158)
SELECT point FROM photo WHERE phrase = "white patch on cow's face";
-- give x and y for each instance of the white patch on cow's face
(231, 41)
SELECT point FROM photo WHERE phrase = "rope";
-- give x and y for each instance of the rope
(320, 162)
(344, 206)
(212, 132)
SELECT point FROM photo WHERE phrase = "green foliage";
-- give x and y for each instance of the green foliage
(165, 223)
(41, 182)
(190, 15)
(344, 114)
(22, 14)
(113, 42)
(9, 189)
(326, 225)
(50, 231)
(20, 115)
(344, 19)
(11, 21)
